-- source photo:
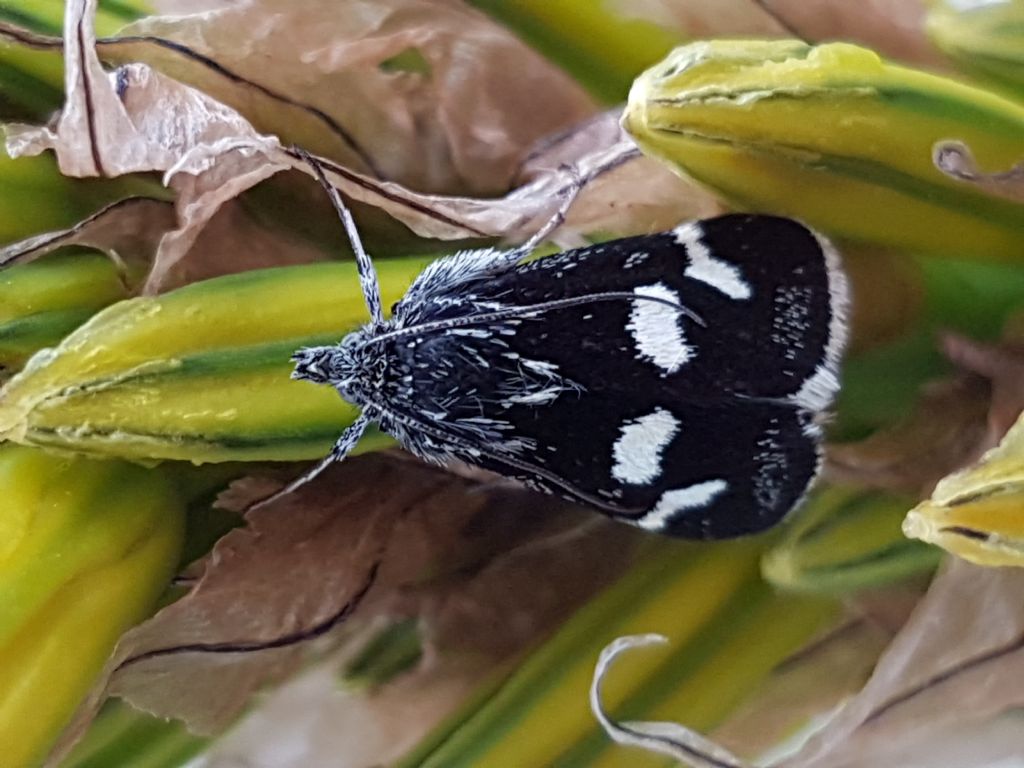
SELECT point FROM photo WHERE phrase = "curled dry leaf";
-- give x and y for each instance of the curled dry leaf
(116, 123)
(665, 738)
(414, 91)
(956, 666)
(299, 568)
(954, 158)
(954, 423)
(127, 230)
(891, 27)
(945, 431)
(476, 567)
(130, 231)
(958, 661)
(431, 94)
(210, 154)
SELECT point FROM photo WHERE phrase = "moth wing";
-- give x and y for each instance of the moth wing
(685, 404)
(699, 470)
(765, 300)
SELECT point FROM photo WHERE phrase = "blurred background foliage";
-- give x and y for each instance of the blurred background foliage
(832, 135)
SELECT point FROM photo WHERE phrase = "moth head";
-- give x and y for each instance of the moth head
(349, 367)
(314, 364)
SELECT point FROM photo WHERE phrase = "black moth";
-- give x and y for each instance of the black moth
(672, 381)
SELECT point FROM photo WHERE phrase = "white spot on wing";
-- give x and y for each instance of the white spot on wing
(540, 397)
(703, 266)
(637, 452)
(656, 330)
(680, 500)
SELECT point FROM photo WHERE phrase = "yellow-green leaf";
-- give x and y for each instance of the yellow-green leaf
(86, 548)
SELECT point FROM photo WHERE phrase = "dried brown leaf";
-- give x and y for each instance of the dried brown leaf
(130, 231)
(209, 154)
(946, 431)
(127, 230)
(482, 569)
(456, 117)
(1002, 364)
(312, 721)
(893, 28)
(295, 571)
(955, 421)
(958, 662)
(638, 196)
(812, 681)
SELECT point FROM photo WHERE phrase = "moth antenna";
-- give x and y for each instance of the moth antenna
(367, 274)
(529, 309)
(341, 449)
(569, 195)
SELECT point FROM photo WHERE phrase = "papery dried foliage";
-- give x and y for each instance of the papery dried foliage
(664, 738)
(959, 661)
(456, 118)
(946, 431)
(129, 230)
(210, 153)
(309, 720)
(975, 512)
(954, 422)
(815, 680)
(434, 546)
(957, 665)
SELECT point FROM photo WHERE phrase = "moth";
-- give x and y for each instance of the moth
(674, 381)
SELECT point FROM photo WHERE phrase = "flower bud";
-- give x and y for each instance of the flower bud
(976, 513)
(42, 302)
(200, 373)
(834, 136)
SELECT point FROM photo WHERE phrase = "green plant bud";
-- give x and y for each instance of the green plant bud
(834, 136)
(985, 38)
(200, 373)
(86, 548)
(42, 302)
(845, 539)
(978, 513)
